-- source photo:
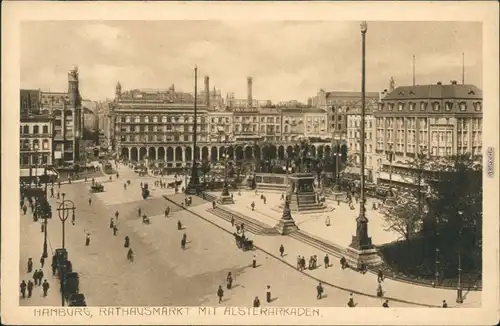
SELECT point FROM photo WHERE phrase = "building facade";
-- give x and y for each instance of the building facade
(316, 123)
(436, 120)
(36, 133)
(66, 110)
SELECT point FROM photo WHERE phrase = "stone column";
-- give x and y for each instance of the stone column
(183, 154)
(129, 154)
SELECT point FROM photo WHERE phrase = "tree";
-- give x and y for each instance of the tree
(205, 169)
(403, 215)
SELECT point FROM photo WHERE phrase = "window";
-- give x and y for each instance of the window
(401, 106)
(412, 106)
(435, 106)
(127, 118)
(26, 130)
(391, 106)
(448, 106)
(380, 106)
(45, 144)
(155, 119)
(45, 129)
(423, 106)
(477, 106)
(36, 130)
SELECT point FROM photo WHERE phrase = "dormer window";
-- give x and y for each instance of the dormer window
(401, 93)
(448, 106)
(391, 106)
(412, 92)
(463, 106)
(423, 106)
(380, 106)
(401, 106)
(471, 92)
(435, 106)
(477, 106)
(412, 106)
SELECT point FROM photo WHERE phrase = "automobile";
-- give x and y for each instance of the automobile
(71, 284)
(77, 300)
(61, 256)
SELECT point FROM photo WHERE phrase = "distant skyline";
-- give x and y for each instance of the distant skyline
(287, 60)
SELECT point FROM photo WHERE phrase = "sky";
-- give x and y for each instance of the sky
(288, 60)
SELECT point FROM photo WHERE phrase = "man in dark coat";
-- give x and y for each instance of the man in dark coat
(45, 287)
(23, 289)
(42, 261)
(220, 293)
(24, 209)
(30, 288)
(326, 261)
(256, 302)
(35, 276)
(386, 304)
(319, 290)
(30, 265)
(282, 250)
(40, 277)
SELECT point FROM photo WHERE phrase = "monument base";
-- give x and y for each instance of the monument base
(193, 189)
(285, 227)
(370, 257)
(225, 200)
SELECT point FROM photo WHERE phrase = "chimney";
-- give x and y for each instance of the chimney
(249, 92)
(207, 91)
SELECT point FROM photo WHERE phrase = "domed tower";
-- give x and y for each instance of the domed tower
(118, 91)
(75, 105)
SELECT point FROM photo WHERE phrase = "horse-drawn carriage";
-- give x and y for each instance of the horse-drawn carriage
(97, 187)
(243, 242)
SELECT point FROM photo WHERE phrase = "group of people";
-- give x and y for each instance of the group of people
(38, 276)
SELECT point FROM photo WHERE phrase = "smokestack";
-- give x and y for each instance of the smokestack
(207, 91)
(249, 92)
(413, 70)
(463, 69)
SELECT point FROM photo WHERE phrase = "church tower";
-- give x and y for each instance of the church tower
(75, 104)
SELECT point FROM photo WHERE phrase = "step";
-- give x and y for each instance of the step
(318, 243)
(238, 220)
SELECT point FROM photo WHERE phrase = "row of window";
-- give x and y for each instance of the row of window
(160, 137)
(36, 129)
(26, 144)
(163, 119)
(436, 106)
(27, 159)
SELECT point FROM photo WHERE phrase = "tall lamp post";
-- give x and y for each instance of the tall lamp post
(459, 283)
(47, 212)
(361, 240)
(63, 212)
(390, 157)
(225, 188)
(193, 186)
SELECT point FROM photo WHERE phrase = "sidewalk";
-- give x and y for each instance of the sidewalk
(348, 279)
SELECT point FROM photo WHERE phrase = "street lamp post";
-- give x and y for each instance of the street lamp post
(391, 157)
(225, 188)
(459, 283)
(193, 186)
(63, 212)
(361, 240)
(45, 217)
(436, 274)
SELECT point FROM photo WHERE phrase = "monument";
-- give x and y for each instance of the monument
(225, 198)
(301, 196)
(286, 224)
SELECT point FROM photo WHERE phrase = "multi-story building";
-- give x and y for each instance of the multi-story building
(436, 120)
(270, 124)
(220, 125)
(35, 141)
(293, 124)
(30, 102)
(316, 123)
(66, 110)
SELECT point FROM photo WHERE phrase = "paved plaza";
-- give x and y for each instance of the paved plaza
(342, 218)
(162, 273)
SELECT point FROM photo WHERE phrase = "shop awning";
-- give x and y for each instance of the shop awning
(36, 172)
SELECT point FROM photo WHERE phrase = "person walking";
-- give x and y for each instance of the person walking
(319, 291)
(116, 215)
(23, 289)
(40, 277)
(90, 201)
(445, 305)
(351, 303)
(24, 209)
(111, 223)
(268, 294)
(380, 276)
(30, 265)
(232, 221)
(229, 281)
(386, 304)
(256, 302)
(115, 229)
(53, 266)
(42, 261)
(30, 288)
(327, 221)
(220, 293)
(45, 287)
(127, 242)
(139, 210)
(326, 261)
(183, 241)
(282, 250)
(254, 261)
(87, 240)
(35, 276)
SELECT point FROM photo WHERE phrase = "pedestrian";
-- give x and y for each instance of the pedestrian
(35, 276)
(253, 206)
(30, 288)
(24, 209)
(386, 304)
(282, 196)
(242, 227)
(30, 265)
(23, 289)
(351, 303)
(59, 184)
(299, 260)
(380, 276)
(115, 229)
(58, 195)
(53, 266)
(256, 302)
(445, 305)
(166, 212)
(220, 293)
(40, 277)
(116, 215)
(327, 221)
(111, 223)
(282, 250)
(232, 221)
(127, 242)
(265, 200)
(139, 212)
(125, 186)
(52, 192)
(90, 201)
(254, 261)
(229, 281)
(87, 239)
(179, 225)
(268, 294)
(319, 290)
(45, 287)
(42, 261)
(326, 261)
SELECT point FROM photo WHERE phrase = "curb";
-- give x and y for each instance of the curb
(306, 274)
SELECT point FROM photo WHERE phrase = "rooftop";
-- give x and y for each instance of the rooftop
(435, 91)
(350, 94)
